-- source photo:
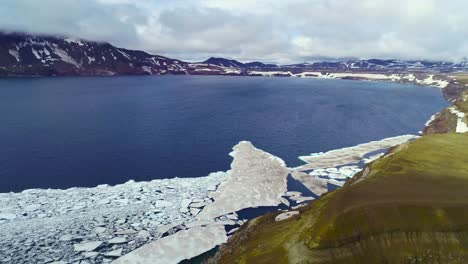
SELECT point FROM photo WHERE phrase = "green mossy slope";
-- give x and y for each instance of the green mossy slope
(409, 207)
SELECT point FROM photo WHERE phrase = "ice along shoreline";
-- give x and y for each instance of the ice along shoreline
(100, 224)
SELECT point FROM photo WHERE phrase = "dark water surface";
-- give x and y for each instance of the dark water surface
(64, 132)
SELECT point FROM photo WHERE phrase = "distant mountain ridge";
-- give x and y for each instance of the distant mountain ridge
(236, 64)
(25, 54)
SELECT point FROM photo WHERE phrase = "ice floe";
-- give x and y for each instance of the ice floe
(256, 178)
(286, 215)
(165, 221)
(182, 245)
(335, 158)
(314, 184)
(41, 226)
(336, 166)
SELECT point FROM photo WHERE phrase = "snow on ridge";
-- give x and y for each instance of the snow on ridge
(75, 41)
(64, 56)
(271, 73)
(430, 81)
(124, 54)
(36, 54)
(91, 59)
(147, 69)
(433, 117)
(462, 126)
(15, 54)
(433, 82)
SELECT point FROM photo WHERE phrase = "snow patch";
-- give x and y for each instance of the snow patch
(462, 126)
(15, 54)
(65, 57)
(124, 54)
(433, 82)
(74, 41)
(147, 69)
(36, 54)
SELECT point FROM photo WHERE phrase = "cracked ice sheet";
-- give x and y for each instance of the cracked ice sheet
(182, 245)
(257, 178)
(339, 157)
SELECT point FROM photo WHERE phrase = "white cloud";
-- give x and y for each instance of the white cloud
(268, 30)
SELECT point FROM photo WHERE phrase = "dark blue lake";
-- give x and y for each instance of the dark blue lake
(65, 132)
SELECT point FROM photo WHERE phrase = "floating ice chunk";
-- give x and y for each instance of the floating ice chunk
(114, 253)
(335, 182)
(162, 203)
(199, 205)
(349, 155)
(286, 215)
(166, 228)
(257, 178)
(7, 216)
(303, 199)
(285, 202)
(182, 245)
(314, 184)
(232, 231)
(87, 246)
(292, 194)
(117, 240)
(373, 157)
(194, 211)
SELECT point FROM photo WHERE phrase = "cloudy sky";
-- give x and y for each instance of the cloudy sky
(267, 30)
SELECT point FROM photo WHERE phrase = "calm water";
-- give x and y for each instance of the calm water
(64, 132)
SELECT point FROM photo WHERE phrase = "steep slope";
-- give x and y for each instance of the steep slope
(22, 54)
(408, 207)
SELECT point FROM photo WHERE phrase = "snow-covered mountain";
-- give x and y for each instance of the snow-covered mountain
(23, 54)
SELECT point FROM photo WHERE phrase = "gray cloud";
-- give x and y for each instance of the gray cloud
(268, 30)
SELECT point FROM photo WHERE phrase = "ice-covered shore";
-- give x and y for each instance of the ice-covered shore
(143, 222)
(97, 224)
